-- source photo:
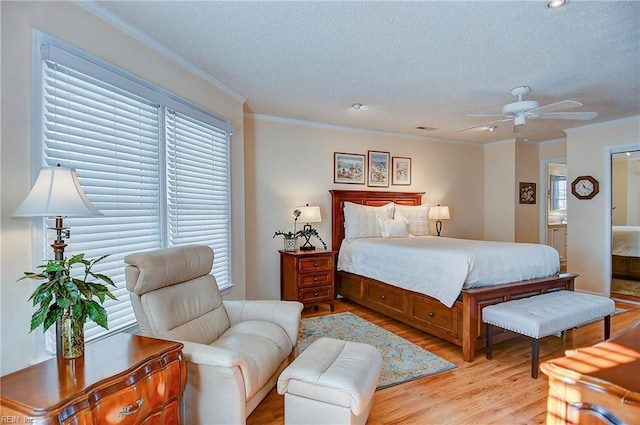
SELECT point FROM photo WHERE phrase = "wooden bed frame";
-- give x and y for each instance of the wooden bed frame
(462, 323)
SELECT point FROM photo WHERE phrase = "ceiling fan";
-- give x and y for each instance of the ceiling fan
(522, 110)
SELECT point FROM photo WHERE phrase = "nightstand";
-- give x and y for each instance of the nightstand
(308, 277)
(123, 379)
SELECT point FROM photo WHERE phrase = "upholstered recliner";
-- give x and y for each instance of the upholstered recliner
(235, 350)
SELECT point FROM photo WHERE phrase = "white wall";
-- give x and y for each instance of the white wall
(500, 190)
(71, 23)
(589, 221)
(290, 163)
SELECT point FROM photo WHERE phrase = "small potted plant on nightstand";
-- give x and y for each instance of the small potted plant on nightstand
(290, 237)
(68, 299)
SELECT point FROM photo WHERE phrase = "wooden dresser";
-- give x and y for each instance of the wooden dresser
(123, 379)
(308, 277)
(598, 384)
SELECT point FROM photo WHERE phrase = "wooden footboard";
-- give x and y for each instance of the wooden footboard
(462, 323)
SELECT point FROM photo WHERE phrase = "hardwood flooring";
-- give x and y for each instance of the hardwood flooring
(497, 391)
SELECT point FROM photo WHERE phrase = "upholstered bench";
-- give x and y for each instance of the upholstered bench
(331, 382)
(546, 314)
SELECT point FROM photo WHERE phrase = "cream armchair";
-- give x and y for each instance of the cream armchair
(235, 350)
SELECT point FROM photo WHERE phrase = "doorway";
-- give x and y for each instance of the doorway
(554, 208)
(625, 221)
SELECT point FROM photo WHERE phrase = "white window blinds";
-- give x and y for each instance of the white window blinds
(160, 177)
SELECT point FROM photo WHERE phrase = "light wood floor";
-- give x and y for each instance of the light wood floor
(497, 391)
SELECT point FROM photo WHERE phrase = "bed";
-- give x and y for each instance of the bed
(626, 252)
(461, 323)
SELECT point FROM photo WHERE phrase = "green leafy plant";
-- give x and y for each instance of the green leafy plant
(61, 293)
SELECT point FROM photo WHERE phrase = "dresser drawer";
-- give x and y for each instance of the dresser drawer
(311, 295)
(434, 314)
(316, 263)
(350, 286)
(387, 297)
(315, 279)
(141, 398)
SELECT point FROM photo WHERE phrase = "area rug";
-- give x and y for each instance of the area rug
(402, 360)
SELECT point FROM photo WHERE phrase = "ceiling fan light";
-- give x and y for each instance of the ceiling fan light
(554, 4)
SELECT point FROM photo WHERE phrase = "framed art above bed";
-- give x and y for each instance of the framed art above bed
(461, 323)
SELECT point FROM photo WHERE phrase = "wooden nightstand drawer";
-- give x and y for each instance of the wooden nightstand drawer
(315, 279)
(308, 277)
(315, 263)
(311, 295)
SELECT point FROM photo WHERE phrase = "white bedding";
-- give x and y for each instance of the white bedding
(440, 267)
(626, 241)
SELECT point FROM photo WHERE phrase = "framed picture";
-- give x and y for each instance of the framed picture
(348, 168)
(378, 169)
(400, 171)
(527, 193)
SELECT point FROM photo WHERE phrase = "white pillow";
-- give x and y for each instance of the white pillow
(390, 228)
(361, 221)
(417, 218)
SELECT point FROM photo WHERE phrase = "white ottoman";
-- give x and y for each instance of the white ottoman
(332, 382)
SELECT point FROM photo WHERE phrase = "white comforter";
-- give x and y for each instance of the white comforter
(440, 267)
(626, 241)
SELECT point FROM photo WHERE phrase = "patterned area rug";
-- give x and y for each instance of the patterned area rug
(402, 360)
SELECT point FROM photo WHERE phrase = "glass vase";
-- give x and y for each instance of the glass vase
(72, 334)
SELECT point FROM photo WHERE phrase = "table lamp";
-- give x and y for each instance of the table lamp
(439, 213)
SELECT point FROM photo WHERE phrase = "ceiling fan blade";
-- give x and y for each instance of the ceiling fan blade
(567, 115)
(557, 106)
(486, 124)
(484, 115)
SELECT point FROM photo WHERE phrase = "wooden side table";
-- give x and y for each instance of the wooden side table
(598, 384)
(123, 379)
(308, 277)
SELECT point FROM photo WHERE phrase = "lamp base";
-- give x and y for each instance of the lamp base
(438, 227)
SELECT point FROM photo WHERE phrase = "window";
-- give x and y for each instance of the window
(156, 166)
(558, 192)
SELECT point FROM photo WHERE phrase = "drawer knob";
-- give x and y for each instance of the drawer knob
(315, 294)
(431, 314)
(315, 264)
(130, 410)
(382, 297)
(349, 285)
(315, 279)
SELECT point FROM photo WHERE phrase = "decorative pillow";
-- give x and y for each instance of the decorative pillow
(393, 228)
(361, 221)
(417, 218)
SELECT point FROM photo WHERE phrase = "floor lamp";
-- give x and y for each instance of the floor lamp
(57, 194)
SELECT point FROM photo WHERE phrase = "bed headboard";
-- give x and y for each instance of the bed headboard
(363, 197)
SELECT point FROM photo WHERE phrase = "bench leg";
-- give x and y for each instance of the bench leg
(535, 351)
(607, 327)
(489, 331)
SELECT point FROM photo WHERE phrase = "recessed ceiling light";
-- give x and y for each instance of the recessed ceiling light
(356, 106)
(492, 128)
(422, 127)
(554, 4)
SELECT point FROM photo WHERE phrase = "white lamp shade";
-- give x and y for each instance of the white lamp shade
(309, 214)
(439, 213)
(56, 193)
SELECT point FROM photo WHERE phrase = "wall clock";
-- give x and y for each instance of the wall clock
(585, 187)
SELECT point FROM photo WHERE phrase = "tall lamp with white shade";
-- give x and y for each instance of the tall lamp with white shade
(439, 213)
(308, 215)
(58, 194)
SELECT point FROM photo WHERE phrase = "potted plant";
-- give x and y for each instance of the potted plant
(290, 237)
(71, 300)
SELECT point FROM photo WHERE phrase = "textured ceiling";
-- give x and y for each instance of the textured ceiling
(409, 64)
